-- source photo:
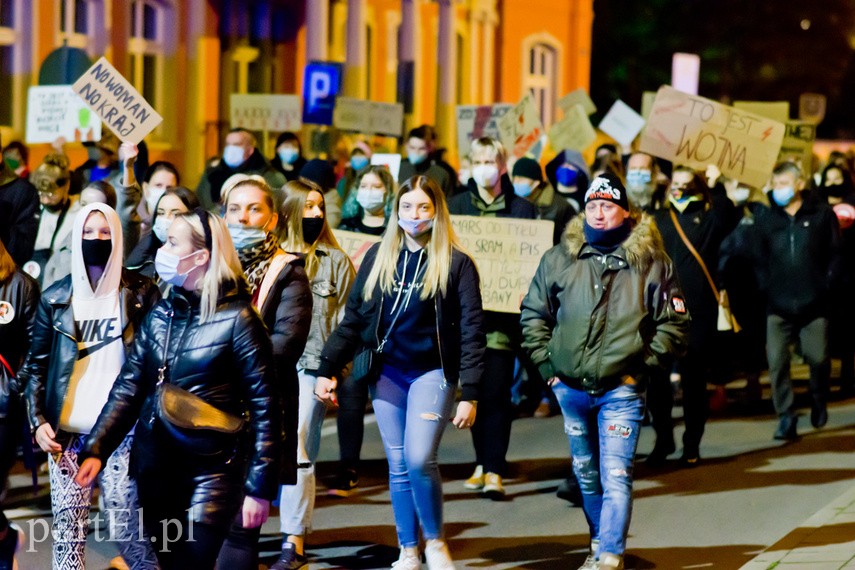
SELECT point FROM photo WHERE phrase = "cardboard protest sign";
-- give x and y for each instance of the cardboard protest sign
(368, 116)
(260, 112)
(390, 161)
(685, 72)
(687, 129)
(116, 102)
(647, 99)
(622, 123)
(387, 119)
(355, 244)
(578, 97)
(55, 111)
(798, 143)
(507, 252)
(776, 110)
(812, 107)
(574, 131)
(520, 128)
(474, 121)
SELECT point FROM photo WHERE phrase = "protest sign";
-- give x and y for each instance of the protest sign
(577, 97)
(687, 129)
(368, 116)
(776, 110)
(387, 119)
(647, 99)
(390, 161)
(574, 131)
(355, 244)
(798, 143)
(520, 129)
(622, 123)
(55, 111)
(685, 72)
(812, 107)
(474, 121)
(258, 112)
(116, 102)
(507, 252)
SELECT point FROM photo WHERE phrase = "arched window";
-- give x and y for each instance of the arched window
(540, 74)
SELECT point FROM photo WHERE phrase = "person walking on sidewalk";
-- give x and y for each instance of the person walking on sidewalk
(603, 309)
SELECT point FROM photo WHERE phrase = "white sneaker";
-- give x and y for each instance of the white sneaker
(591, 562)
(611, 562)
(437, 555)
(408, 560)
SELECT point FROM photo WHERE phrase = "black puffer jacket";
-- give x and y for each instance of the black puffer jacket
(226, 361)
(19, 299)
(459, 325)
(53, 352)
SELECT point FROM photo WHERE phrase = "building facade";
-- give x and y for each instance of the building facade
(188, 56)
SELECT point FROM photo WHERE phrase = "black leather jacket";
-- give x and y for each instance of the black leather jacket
(53, 352)
(226, 360)
(19, 298)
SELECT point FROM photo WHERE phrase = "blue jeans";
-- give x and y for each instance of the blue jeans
(603, 433)
(412, 412)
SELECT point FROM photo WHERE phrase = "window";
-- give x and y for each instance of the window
(7, 13)
(540, 76)
(73, 26)
(146, 47)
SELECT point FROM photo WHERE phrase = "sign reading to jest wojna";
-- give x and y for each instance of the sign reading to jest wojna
(692, 130)
(116, 102)
(507, 252)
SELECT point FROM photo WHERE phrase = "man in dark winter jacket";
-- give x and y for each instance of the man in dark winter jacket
(798, 261)
(19, 214)
(240, 155)
(490, 193)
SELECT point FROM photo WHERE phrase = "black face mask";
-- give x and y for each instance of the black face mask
(312, 229)
(96, 252)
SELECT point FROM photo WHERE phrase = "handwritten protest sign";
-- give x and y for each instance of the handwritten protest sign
(798, 143)
(390, 161)
(55, 111)
(260, 112)
(622, 123)
(474, 121)
(775, 110)
(574, 131)
(507, 252)
(363, 116)
(116, 102)
(577, 97)
(355, 244)
(520, 128)
(687, 129)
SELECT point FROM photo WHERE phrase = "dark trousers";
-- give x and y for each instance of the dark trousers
(660, 401)
(240, 550)
(694, 370)
(491, 433)
(352, 399)
(812, 336)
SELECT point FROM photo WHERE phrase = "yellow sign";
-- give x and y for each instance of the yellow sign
(574, 131)
(577, 97)
(355, 244)
(520, 128)
(692, 130)
(507, 252)
(798, 143)
(775, 110)
(261, 112)
(122, 109)
(363, 116)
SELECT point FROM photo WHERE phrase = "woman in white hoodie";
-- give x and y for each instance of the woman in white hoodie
(84, 325)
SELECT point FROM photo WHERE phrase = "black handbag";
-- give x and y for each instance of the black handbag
(189, 421)
(366, 366)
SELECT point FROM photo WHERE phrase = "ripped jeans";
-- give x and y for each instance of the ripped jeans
(603, 433)
(412, 412)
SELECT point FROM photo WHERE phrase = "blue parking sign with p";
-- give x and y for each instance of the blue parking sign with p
(321, 84)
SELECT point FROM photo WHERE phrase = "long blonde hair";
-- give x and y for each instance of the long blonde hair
(439, 248)
(297, 192)
(223, 265)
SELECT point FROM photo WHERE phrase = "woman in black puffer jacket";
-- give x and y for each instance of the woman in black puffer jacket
(217, 349)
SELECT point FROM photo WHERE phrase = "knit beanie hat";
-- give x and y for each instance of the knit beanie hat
(607, 186)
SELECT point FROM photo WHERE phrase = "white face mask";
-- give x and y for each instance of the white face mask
(233, 155)
(740, 195)
(245, 236)
(371, 200)
(415, 227)
(485, 175)
(161, 228)
(166, 264)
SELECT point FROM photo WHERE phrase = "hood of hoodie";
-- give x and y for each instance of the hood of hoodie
(109, 282)
(573, 157)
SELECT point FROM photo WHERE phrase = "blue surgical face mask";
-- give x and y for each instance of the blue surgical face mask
(417, 157)
(566, 176)
(637, 177)
(523, 189)
(288, 155)
(245, 236)
(233, 155)
(370, 199)
(416, 227)
(161, 228)
(783, 196)
(166, 264)
(358, 162)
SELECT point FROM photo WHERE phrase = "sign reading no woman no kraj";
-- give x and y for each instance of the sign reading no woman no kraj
(687, 129)
(507, 252)
(116, 102)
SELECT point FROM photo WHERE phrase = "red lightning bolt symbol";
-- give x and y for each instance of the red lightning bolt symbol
(766, 133)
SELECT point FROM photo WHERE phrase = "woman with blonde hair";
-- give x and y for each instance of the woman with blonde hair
(199, 385)
(415, 317)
